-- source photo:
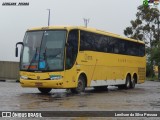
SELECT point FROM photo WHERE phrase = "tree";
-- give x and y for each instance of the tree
(146, 28)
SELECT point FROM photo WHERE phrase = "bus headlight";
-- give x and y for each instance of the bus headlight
(24, 77)
(55, 77)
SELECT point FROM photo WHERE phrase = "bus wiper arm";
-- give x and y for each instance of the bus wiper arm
(45, 58)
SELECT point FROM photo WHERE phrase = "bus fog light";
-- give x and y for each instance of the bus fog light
(24, 77)
(55, 77)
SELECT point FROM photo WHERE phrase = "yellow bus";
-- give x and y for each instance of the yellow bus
(68, 57)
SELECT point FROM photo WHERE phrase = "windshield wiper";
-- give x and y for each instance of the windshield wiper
(45, 59)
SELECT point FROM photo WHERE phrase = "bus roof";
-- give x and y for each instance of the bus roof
(85, 29)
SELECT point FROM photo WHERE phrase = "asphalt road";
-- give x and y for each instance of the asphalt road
(145, 97)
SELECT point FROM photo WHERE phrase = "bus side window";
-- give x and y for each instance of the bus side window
(72, 48)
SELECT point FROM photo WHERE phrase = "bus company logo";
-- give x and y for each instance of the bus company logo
(151, 2)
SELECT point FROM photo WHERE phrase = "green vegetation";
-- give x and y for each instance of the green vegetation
(155, 78)
(146, 27)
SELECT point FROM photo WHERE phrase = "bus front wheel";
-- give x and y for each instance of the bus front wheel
(45, 90)
(80, 86)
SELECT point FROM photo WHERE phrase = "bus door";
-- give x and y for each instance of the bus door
(71, 55)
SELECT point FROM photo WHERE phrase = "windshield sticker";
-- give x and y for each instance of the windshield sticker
(42, 64)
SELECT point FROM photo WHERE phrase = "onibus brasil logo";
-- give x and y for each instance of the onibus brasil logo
(151, 2)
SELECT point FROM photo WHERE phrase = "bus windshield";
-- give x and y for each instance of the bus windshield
(43, 50)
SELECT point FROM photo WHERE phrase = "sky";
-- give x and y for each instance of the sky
(109, 15)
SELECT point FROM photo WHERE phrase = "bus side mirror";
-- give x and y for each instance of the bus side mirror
(16, 52)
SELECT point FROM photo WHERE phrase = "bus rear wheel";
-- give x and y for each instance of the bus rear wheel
(128, 82)
(133, 83)
(45, 90)
(80, 86)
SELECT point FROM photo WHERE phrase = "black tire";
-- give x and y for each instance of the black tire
(133, 83)
(101, 88)
(45, 90)
(80, 86)
(128, 82)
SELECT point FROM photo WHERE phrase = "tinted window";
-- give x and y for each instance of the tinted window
(100, 43)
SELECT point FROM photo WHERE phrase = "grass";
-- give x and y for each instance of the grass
(155, 78)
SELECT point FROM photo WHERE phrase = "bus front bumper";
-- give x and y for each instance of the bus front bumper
(42, 83)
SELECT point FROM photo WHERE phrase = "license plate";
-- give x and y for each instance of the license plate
(38, 84)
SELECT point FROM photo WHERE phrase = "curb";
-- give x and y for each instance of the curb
(9, 80)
